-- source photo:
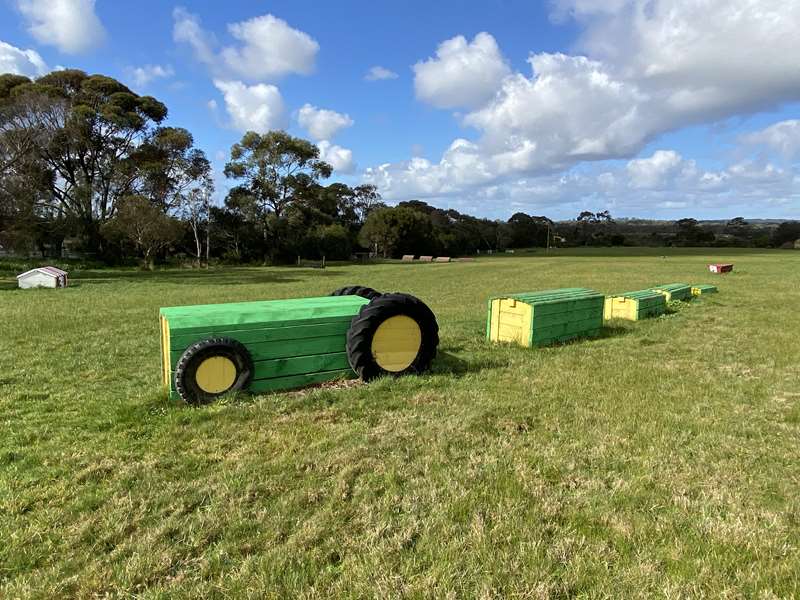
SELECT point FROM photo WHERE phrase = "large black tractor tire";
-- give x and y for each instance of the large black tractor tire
(395, 334)
(357, 290)
(213, 367)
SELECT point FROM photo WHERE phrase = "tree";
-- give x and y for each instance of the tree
(88, 128)
(526, 230)
(195, 206)
(276, 171)
(169, 166)
(144, 225)
(689, 232)
(786, 232)
(395, 231)
(740, 229)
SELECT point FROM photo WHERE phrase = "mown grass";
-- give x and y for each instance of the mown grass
(658, 461)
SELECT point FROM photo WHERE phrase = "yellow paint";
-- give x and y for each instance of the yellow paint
(620, 307)
(216, 374)
(165, 358)
(511, 321)
(396, 343)
(697, 291)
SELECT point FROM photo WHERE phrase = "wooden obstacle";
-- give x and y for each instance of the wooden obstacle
(293, 343)
(721, 268)
(442, 259)
(699, 290)
(408, 258)
(674, 291)
(542, 318)
(634, 306)
(425, 259)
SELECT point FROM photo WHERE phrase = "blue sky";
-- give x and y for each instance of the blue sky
(659, 108)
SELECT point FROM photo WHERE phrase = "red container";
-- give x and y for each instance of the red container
(721, 268)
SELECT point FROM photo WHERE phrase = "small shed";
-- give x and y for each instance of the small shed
(47, 277)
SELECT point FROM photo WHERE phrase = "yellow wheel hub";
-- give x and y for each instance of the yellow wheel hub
(216, 374)
(396, 343)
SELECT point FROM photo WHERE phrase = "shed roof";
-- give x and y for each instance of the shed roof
(51, 271)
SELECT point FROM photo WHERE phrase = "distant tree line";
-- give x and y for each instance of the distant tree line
(87, 163)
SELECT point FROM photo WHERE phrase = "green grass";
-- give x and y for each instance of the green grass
(660, 460)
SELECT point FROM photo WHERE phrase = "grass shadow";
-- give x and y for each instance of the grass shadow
(450, 364)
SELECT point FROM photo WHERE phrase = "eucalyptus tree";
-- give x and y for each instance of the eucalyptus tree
(276, 171)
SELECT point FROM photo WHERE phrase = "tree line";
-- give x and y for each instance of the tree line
(87, 162)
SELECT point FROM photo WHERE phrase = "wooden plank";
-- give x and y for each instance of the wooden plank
(252, 315)
(267, 334)
(289, 348)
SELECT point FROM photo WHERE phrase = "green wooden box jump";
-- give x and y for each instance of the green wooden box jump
(542, 318)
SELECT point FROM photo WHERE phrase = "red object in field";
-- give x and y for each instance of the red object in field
(721, 268)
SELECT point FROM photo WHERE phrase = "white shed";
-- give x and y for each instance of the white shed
(49, 277)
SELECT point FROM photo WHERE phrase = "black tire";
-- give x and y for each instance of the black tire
(185, 378)
(371, 316)
(357, 290)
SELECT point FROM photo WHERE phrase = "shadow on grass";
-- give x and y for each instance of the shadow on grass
(449, 364)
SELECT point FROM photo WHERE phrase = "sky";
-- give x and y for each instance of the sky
(646, 108)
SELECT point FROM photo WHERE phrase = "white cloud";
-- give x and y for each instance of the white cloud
(463, 74)
(321, 123)
(654, 171)
(341, 159)
(21, 62)
(648, 67)
(782, 137)
(148, 73)
(663, 183)
(256, 108)
(268, 47)
(72, 26)
(379, 73)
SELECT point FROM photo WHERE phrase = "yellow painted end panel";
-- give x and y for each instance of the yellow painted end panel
(165, 356)
(619, 307)
(515, 320)
(494, 329)
(396, 343)
(697, 291)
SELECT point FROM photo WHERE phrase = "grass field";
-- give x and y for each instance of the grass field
(662, 460)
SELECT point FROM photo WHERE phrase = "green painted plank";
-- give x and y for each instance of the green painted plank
(575, 327)
(288, 349)
(179, 343)
(253, 315)
(566, 338)
(297, 381)
(300, 365)
(566, 317)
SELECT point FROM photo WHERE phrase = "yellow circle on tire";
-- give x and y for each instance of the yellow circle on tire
(216, 374)
(396, 343)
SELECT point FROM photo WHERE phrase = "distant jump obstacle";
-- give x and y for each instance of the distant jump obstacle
(551, 316)
(721, 268)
